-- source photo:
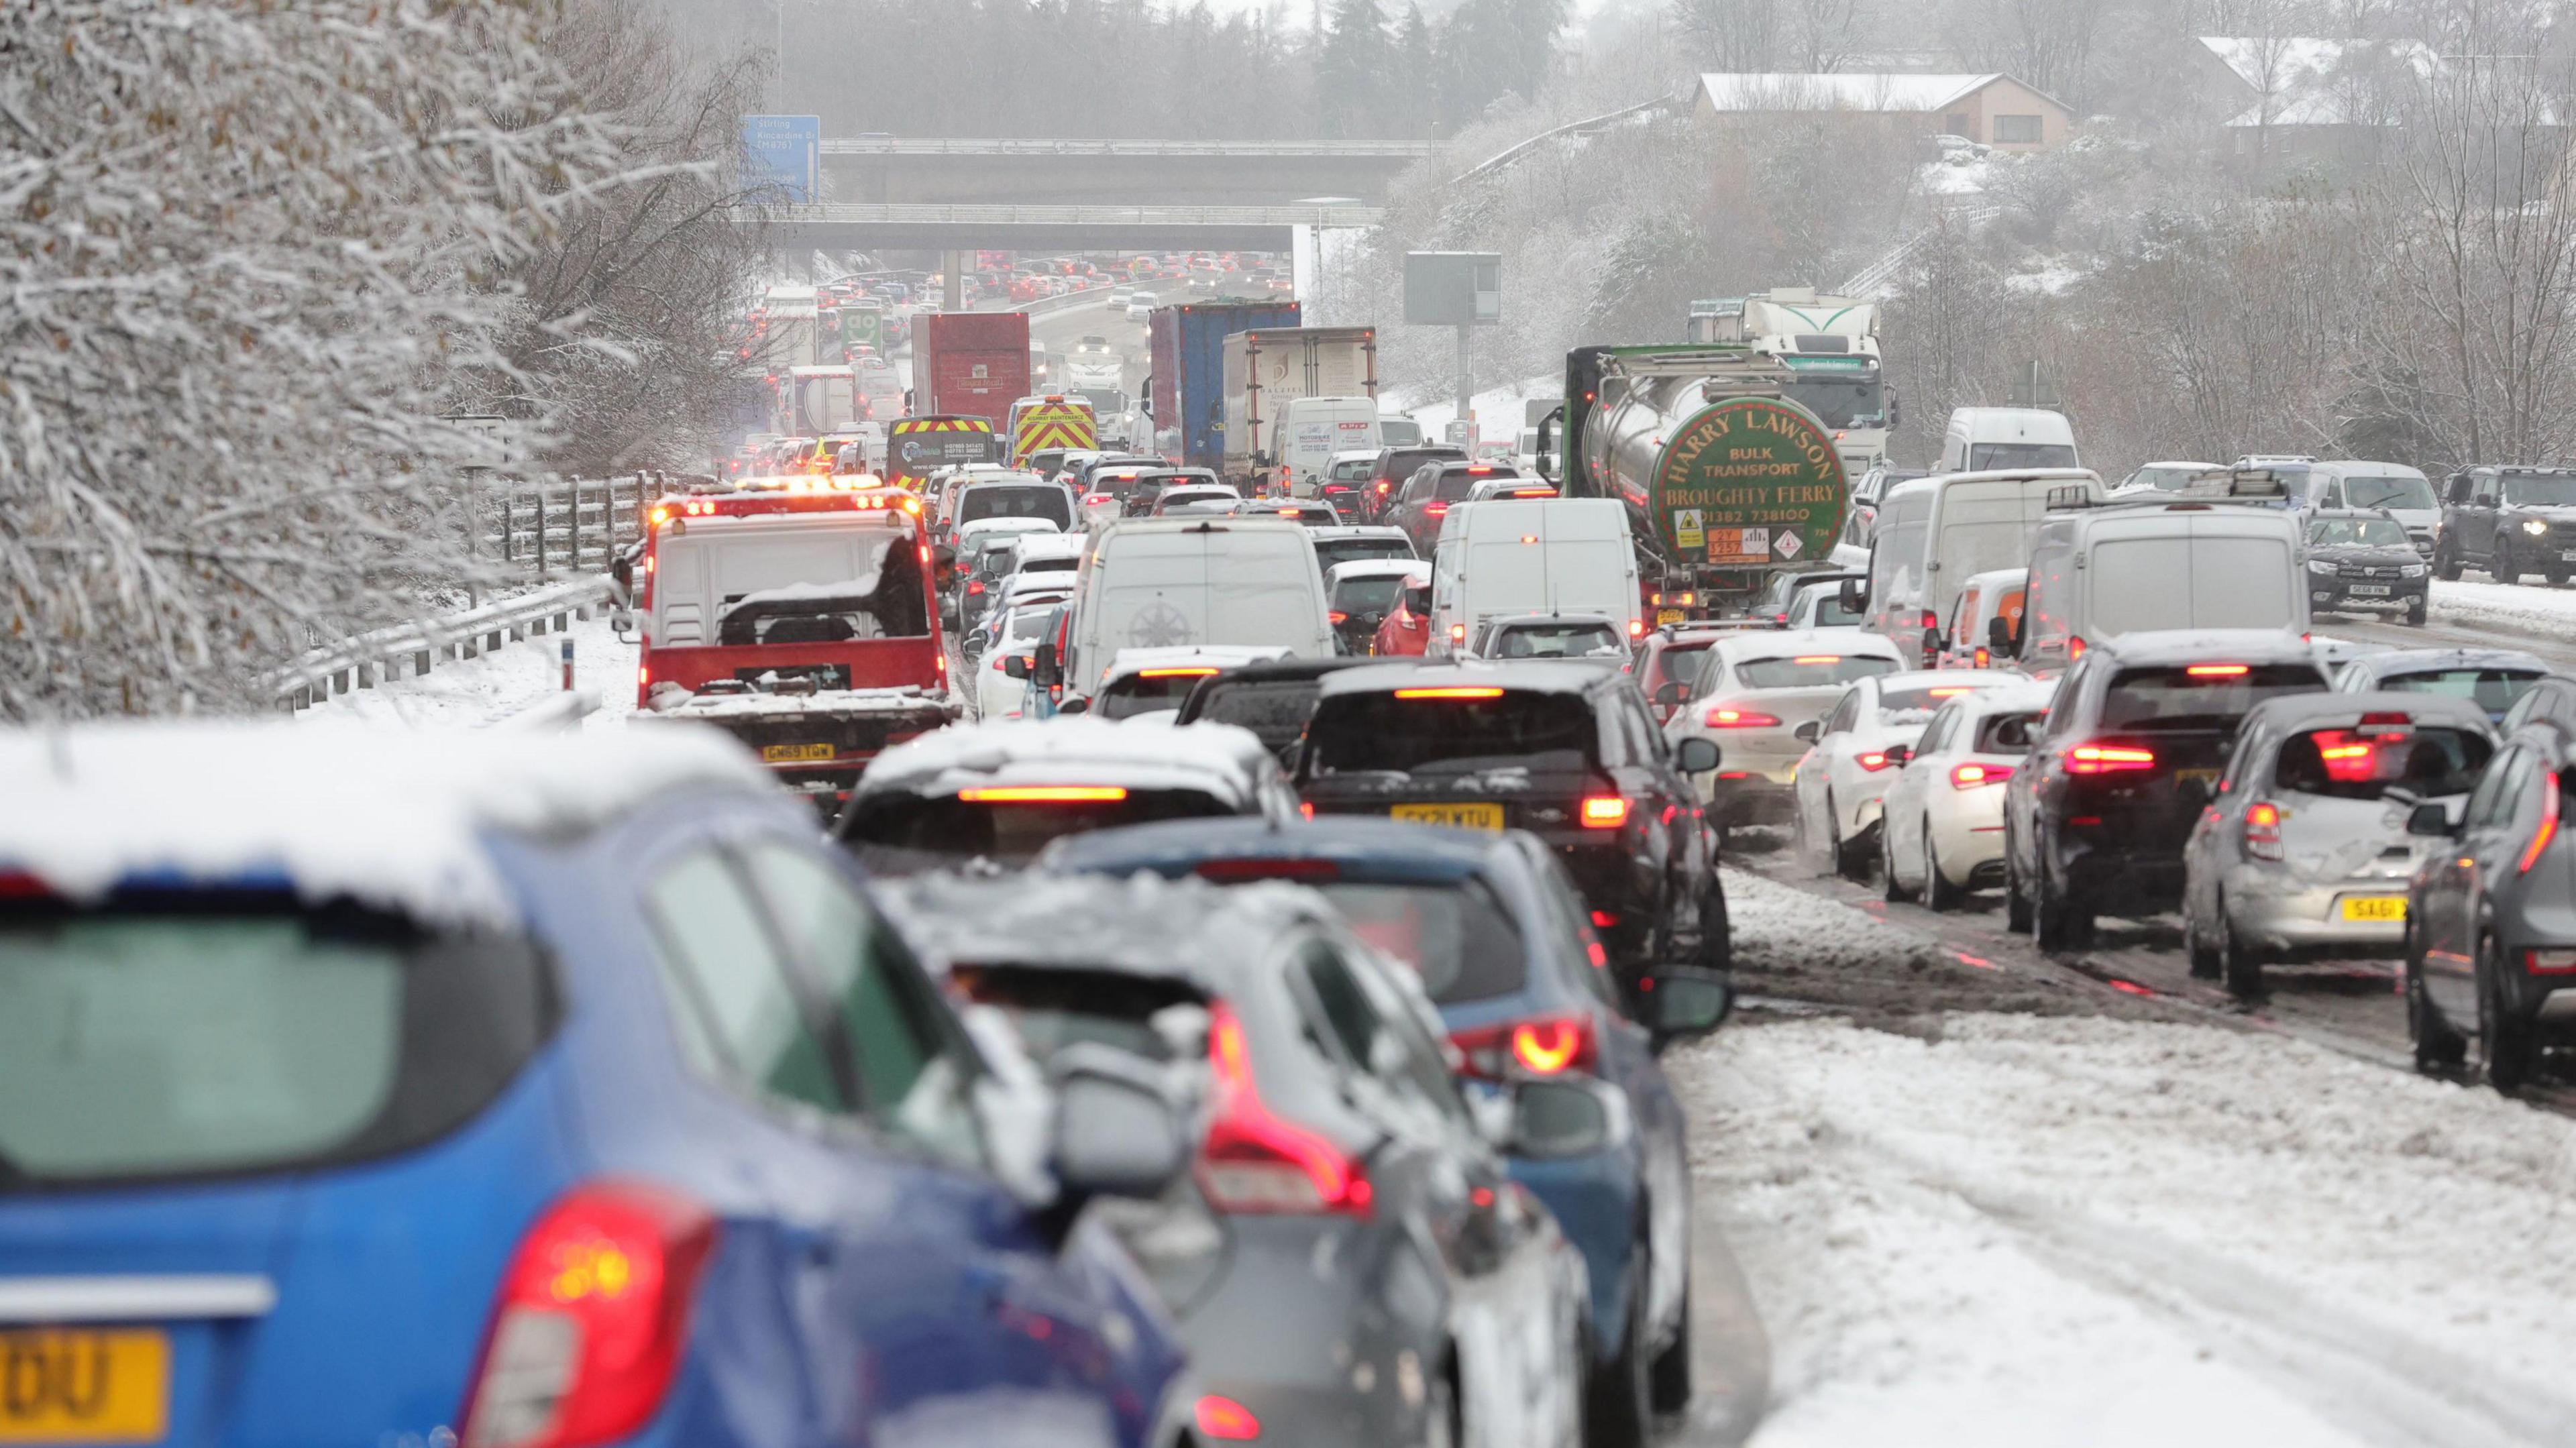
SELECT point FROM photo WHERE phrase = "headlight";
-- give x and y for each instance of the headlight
(2322, 567)
(2410, 570)
(2534, 527)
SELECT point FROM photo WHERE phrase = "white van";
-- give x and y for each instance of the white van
(1536, 555)
(1310, 430)
(1162, 583)
(1977, 523)
(2098, 573)
(1981, 439)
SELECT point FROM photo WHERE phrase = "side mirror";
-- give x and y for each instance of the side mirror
(1809, 732)
(1043, 666)
(2431, 819)
(1672, 695)
(1697, 756)
(1016, 665)
(1116, 1133)
(1682, 1003)
(1900, 754)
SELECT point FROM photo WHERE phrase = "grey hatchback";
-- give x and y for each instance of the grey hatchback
(2303, 852)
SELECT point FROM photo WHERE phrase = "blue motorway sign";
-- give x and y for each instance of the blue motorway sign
(783, 157)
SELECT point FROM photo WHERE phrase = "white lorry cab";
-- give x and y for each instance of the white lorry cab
(2100, 572)
(1980, 439)
(1533, 556)
(1167, 583)
(1311, 431)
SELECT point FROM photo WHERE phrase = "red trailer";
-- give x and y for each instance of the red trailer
(974, 364)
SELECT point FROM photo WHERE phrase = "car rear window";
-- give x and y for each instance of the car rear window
(2199, 696)
(2366, 762)
(1033, 501)
(1452, 731)
(1458, 938)
(193, 1037)
(1810, 671)
(1012, 830)
(2493, 690)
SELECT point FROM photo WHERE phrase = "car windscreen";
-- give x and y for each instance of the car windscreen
(1457, 937)
(2365, 763)
(1010, 825)
(1810, 671)
(1367, 595)
(1329, 551)
(1558, 641)
(2405, 492)
(2540, 490)
(1275, 710)
(194, 1036)
(2493, 690)
(1004, 501)
(2357, 532)
(1990, 455)
(1452, 730)
(2184, 697)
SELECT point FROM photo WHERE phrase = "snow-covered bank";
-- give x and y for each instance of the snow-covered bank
(2051, 1230)
(482, 690)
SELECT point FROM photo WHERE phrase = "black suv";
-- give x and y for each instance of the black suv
(2509, 521)
(2095, 821)
(1565, 751)
(2364, 562)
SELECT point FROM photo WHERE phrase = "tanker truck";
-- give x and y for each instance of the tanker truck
(1728, 479)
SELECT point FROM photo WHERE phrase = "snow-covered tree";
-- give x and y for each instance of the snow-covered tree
(250, 250)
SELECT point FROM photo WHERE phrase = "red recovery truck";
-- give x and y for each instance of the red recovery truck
(973, 364)
(801, 620)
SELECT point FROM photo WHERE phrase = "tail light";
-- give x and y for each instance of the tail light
(1974, 776)
(2263, 831)
(1254, 1162)
(592, 1321)
(1739, 719)
(2108, 759)
(1604, 811)
(2548, 830)
(1540, 1046)
(1872, 760)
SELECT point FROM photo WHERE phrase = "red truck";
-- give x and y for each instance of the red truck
(802, 621)
(973, 364)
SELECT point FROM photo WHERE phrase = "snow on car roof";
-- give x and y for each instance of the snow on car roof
(395, 820)
(1221, 758)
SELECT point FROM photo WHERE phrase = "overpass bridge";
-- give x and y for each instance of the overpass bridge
(844, 226)
(897, 170)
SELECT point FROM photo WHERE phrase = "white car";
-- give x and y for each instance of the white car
(1842, 782)
(1944, 830)
(999, 695)
(1753, 692)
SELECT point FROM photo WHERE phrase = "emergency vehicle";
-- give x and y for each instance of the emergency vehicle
(800, 619)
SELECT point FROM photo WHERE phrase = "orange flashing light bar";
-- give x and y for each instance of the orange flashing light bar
(1044, 794)
(1450, 692)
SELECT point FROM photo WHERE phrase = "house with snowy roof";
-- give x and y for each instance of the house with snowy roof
(1992, 108)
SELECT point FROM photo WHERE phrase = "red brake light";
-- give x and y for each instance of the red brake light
(2108, 759)
(2548, 830)
(1739, 719)
(2263, 830)
(592, 1320)
(1604, 811)
(1541, 1046)
(1254, 1162)
(1972, 776)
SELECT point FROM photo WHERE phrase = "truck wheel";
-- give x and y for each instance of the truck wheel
(2446, 562)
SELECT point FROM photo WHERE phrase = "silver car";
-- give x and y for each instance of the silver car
(2303, 853)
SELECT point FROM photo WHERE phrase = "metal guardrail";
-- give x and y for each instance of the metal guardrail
(357, 662)
(850, 213)
(1232, 150)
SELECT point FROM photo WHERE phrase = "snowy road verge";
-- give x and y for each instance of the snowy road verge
(2043, 1230)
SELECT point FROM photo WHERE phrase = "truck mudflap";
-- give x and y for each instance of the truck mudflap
(817, 743)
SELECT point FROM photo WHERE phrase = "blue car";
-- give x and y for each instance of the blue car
(517, 1092)
(1500, 937)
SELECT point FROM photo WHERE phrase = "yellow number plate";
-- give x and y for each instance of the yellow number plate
(795, 753)
(60, 1386)
(1455, 816)
(1671, 615)
(2375, 907)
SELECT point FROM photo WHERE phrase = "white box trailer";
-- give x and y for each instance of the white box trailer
(1267, 367)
